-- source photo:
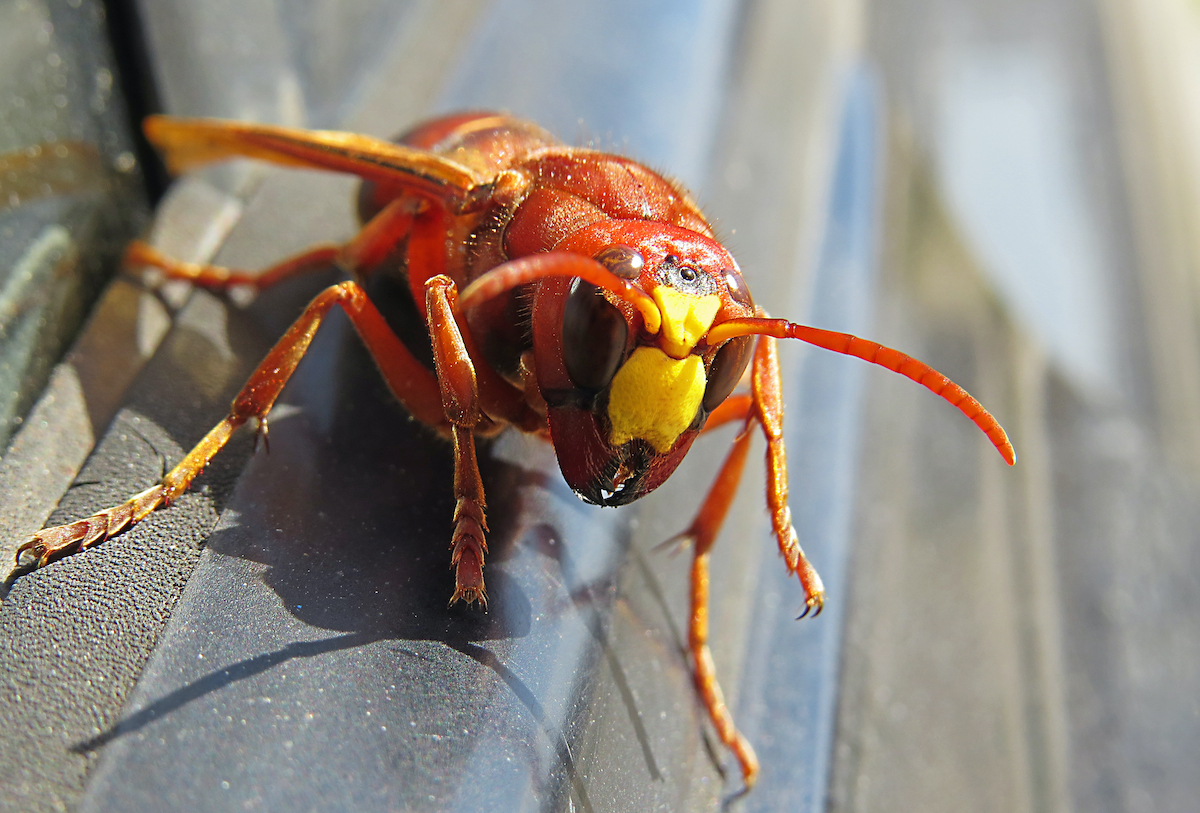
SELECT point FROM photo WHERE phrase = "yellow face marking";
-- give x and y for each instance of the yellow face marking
(655, 397)
(685, 318)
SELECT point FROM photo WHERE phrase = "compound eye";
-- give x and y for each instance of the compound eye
(726, 370)
(594, 335)
(624, 261)
(738, 290)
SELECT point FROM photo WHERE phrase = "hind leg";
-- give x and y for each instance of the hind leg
(367, 250)
(219, 278)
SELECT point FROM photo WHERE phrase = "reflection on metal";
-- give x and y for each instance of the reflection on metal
(791, 689)
(32, 278)
(1006, 157)
(650, 82)
(46, 170)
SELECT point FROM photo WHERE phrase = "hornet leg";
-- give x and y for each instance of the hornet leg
(413, 385)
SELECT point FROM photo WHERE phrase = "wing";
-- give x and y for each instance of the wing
(189, 143)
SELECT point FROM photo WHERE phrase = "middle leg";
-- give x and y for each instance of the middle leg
(412, 383)
(702, 533)
(764, 405)
(365, 252)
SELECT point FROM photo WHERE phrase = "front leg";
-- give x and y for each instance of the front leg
(460, 400)
(768, 403)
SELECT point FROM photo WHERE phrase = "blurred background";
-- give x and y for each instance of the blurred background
(1007, 191)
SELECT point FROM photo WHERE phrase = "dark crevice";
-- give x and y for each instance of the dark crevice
(135, 77)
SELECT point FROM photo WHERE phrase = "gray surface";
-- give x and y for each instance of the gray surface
(1027, 640)
(76, 635)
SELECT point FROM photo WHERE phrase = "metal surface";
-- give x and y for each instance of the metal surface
(70, 187)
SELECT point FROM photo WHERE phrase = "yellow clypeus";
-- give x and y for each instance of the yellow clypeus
(655, 397)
